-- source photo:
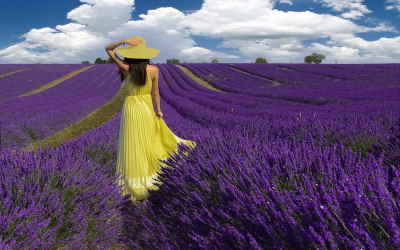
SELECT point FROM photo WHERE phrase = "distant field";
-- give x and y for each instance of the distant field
(288, 155)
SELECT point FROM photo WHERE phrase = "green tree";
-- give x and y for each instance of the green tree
(318, 58)
(308, 59)
(261, 60)
(85, 62)
(314, 58)
(98, 61)
(215, 60)
(173, 60)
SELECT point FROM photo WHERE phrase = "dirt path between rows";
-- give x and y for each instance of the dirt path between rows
(11, 73)
(56, 82)
(199, 80)
(274, 82)
(91, 121)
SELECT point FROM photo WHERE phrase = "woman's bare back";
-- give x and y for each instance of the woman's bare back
(152, 69)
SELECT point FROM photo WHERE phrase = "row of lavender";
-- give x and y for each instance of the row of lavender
(276, 180)
(67, 196)
(302, 75)
(326, 73)
(32, 77)
(260, 152)
(314, 90)
(7, 68)
(34, 117)
(368, 72)
(275, 174)
(337, 121)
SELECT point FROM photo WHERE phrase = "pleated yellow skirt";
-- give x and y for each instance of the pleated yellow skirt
(144, 139)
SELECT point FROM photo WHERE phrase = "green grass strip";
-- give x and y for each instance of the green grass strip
(198, 79)
(95, 119)
(55, 82)
(10, 73)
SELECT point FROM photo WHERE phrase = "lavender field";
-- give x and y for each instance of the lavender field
(288, 156)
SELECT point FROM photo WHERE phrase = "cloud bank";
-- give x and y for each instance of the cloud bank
(251, 29)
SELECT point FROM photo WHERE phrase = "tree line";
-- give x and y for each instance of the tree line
(313, 58)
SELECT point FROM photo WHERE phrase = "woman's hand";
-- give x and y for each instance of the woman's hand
(113, 45)
(159, 114)
(133, 41)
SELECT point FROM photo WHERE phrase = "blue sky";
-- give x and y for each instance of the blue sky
(346, 31)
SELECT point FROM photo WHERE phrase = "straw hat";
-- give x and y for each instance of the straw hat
(139, 51)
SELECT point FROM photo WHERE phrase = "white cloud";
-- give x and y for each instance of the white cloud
(290, 2)
(353, 14)
(253, 28)
(386, 46)
(68, 43)
(63, 44)
(99, 22)
(277, 35)
(393, 5)
(199, 54)
(341, 53)
(379, 25)
(163, 29)
(102, 15)
(275, 50)
(349, 48)
(257, 18)
(354, 8)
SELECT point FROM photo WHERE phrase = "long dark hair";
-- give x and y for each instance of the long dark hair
(137, 70)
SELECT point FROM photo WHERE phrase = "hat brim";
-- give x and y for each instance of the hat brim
(138, 52)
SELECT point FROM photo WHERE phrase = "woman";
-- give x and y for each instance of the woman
(144, 138)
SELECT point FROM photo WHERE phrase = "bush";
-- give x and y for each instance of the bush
(270, 194)
(57, 202)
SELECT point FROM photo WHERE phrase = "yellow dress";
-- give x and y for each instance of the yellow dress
(144, 139)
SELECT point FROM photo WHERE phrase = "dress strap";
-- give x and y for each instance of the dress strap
(149, 76)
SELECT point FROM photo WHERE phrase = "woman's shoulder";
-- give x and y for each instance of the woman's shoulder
(153, 69)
